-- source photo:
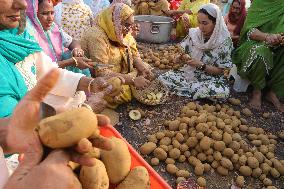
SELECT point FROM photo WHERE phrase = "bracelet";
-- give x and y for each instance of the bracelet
(89, 85)
(265, 39)
(85, 105)
(76, 62)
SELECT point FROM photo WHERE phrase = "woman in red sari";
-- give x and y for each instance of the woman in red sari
(235, 19)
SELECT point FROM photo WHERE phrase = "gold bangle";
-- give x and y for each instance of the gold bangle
(76, 62)
(89, 85)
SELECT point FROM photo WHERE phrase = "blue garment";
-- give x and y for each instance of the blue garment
(13, 49)
(97, 5)
(226, 7)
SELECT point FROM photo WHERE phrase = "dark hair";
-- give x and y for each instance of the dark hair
(204, 11)
(40, 2)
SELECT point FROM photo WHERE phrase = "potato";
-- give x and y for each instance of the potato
(262, 177)
(235, 158)
(205, 143)
(270, 155)
(199, 135)
(94, 177)
(240, 181)
(170, 134)
(274, 173)
(222, 171)
(183, 148)
(164, 147)
(94, 153)
(252, 162)
(245, 171)
(217, 156)
(174, 153)
(265, 168)
(119, 153)
(170, 161)
(180, 179)
(236, 137)
(165, 141)
(199, 169)
(191, 142)
(171, 168)
(201, 182)
(68, 128)
(247, 112)
(138, 178)
(160, 154)
(228, 152)
(278, 166)
(209, 158)
(259, 156)
(175, 143)
(209, 151)
(227, 163)
(271, 187)
(219, 146)
(201, 156)
(263, 149)
(267, 182)
(147, 148)
(182, 173)
(216, 135)
(234, 101)
(181, 158)
(256, 172)
(235, 146)
(193, 161)
(155, 161)
(174, 125)
(256, 142)
(116, 84)
(202, 127)
(152, 138)
(160, 135)
(243, 128)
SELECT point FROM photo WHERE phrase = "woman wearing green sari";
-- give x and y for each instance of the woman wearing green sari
(260, 57)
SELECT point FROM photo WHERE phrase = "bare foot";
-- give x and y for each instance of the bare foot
(255, 101)
(272, 97)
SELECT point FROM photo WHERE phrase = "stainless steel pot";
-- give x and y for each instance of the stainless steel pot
(154, 29)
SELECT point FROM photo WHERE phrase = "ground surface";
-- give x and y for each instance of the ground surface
(136, 133)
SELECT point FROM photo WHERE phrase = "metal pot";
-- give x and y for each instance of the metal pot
(154, 29)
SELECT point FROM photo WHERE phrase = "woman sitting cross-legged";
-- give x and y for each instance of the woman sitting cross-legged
(57, 44)
(260, 57)
(110, 42)
(209, 47)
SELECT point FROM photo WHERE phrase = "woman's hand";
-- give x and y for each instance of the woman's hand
(194, 63)
(83, 63)
(78, 52)
(144, 71)
(141, 82)
(273, 39)
(97, 102)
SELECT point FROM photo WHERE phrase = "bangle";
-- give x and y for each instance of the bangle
(265, 39)
(85, 105)
(73, 51)
(89, 85)
(76, 62)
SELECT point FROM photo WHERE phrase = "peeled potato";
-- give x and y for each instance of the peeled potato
(68, 128)
(137, 178)
(117, 161)
(94, 177)
(116, 84)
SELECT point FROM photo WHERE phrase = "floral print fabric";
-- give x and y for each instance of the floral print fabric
(197, 84)
(76, 19)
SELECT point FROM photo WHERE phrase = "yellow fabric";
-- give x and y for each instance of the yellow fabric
(101, 44)
(194, 7)
(152, 8)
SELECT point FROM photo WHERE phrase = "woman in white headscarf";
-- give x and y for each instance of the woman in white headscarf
(209, 47)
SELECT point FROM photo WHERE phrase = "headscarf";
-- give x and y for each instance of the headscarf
(109, 20)
(261, 12)
(219, 35)
(50, 41)
(13, 49)
(241, 20)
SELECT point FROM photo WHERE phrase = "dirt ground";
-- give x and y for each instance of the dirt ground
(135, 132)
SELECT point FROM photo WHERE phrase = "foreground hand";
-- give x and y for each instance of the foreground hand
(78, 52)
(194, 63)
(141, 82)
(97, 102)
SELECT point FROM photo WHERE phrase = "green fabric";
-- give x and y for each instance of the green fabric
(13, 48)
(255, 60)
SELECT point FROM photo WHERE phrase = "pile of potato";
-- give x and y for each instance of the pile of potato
(163, 57)
(67, 129)
(215, 137)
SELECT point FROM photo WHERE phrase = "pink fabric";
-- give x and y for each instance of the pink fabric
(50, 42)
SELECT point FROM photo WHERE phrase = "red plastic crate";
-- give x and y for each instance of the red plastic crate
(157, 182)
